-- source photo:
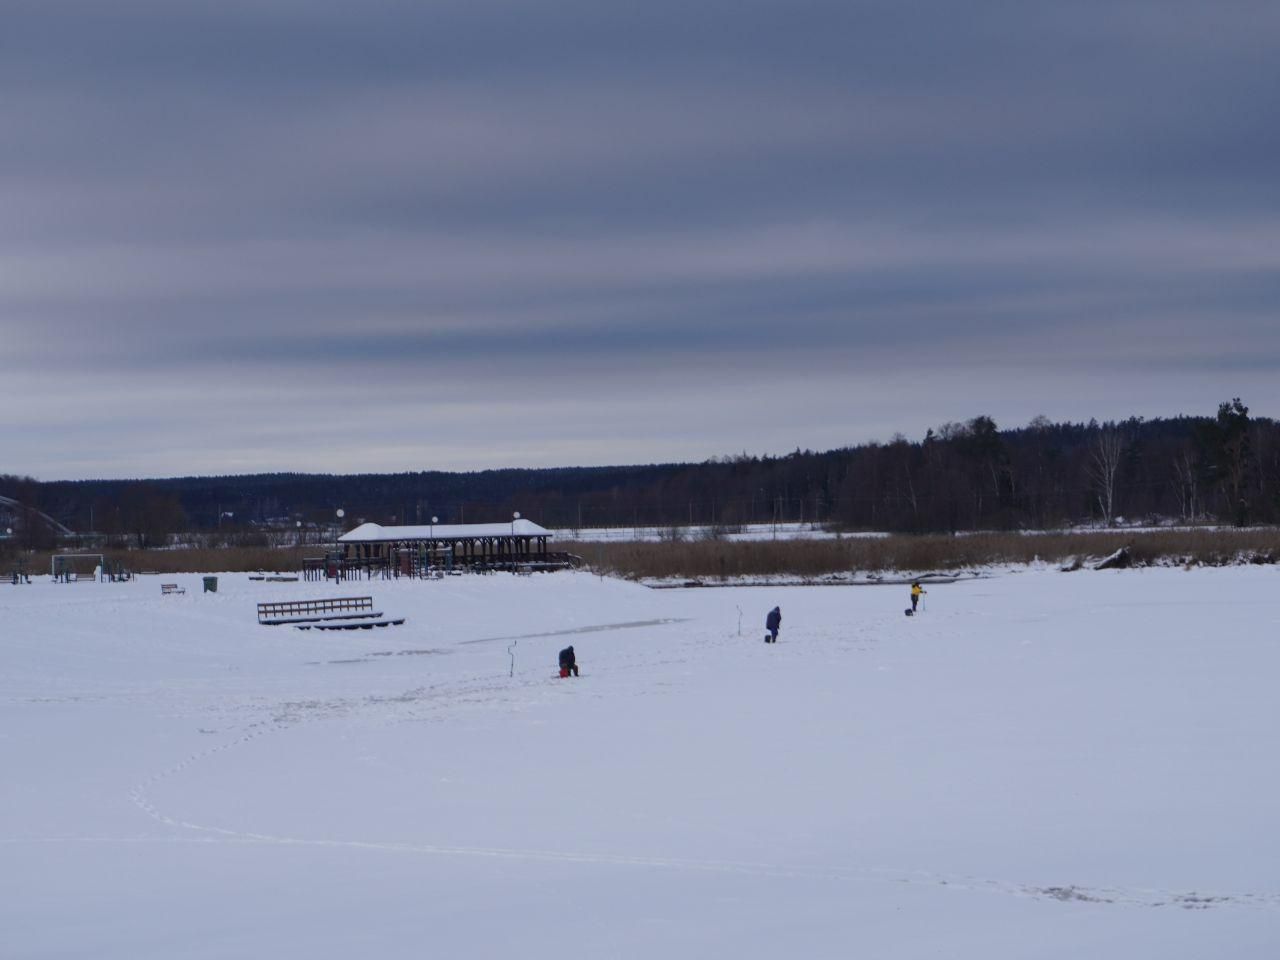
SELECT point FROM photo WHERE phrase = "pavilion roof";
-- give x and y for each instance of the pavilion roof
(376, 532)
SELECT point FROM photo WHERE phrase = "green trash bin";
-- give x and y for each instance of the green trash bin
(210, 584)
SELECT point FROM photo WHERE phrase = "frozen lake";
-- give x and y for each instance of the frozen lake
(1040, 765)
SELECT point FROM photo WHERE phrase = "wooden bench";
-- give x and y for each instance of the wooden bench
(351, 624)
(316, 611)
(167, 588)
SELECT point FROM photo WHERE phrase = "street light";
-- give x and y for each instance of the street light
(432, 549)
(514, 517)
(337, 569)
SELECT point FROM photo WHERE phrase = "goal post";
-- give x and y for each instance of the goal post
(77, 566)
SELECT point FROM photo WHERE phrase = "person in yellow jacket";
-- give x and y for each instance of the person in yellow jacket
(916, 591)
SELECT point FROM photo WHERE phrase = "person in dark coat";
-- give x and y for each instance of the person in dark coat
(568, 662)
(771, 623)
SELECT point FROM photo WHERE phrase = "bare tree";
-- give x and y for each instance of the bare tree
(1187, 486)
(1104, 463)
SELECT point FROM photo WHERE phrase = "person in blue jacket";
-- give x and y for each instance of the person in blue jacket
(772, 623)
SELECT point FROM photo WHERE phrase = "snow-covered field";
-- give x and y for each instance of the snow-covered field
(746, 532)
(1041, 765)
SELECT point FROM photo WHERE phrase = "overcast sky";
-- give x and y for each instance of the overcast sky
(383, 235)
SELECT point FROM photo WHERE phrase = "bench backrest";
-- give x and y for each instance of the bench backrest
(284, 609)
(169, 588)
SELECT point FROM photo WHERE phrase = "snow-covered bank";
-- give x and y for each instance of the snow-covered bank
(744, 533)
(1041, 764)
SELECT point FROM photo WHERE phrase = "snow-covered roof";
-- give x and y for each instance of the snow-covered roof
(372, 532)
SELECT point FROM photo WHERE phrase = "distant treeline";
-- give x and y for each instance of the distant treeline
(961, 476)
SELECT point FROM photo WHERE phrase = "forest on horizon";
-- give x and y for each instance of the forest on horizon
(961, 476)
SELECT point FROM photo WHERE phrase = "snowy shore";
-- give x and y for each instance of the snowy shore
(1040, 764)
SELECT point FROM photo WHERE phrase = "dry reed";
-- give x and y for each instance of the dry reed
(716, 559)
(212, 560)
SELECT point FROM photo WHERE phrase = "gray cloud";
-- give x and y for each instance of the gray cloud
(487, 233)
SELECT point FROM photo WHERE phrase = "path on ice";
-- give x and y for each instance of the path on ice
(435, 651)
(441, 697)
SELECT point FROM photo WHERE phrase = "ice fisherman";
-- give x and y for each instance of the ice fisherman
(916, 592)
(771, 623)
(568, 662)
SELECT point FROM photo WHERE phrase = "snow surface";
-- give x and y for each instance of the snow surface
(1040, 765)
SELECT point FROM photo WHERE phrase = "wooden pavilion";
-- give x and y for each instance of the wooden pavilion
(410, 550)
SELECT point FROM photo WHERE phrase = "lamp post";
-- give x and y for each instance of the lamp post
(514, 517)
(333, 564)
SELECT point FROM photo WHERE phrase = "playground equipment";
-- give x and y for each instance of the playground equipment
(116, 572)
(20, 574)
